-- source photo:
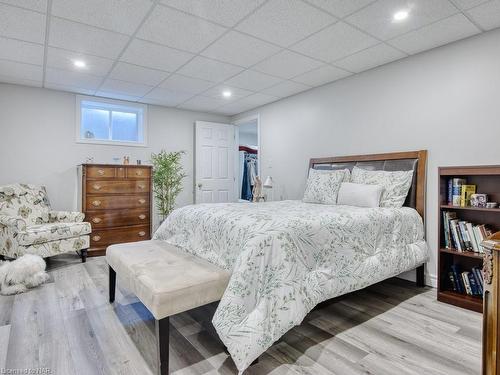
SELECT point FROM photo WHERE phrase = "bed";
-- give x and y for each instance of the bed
(286, 257)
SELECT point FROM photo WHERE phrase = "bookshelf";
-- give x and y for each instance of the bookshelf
(487, 180)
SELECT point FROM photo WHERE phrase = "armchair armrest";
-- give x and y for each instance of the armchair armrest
(14, 222)
(66, 217)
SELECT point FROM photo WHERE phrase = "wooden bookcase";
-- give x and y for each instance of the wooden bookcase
(487, 180)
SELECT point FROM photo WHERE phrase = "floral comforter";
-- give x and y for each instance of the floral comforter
(288, 256)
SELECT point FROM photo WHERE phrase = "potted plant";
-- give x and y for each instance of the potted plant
(168, 174)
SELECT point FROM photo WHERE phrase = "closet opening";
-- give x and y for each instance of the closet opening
(248, 157)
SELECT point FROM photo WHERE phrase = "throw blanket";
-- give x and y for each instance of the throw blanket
(288, 256)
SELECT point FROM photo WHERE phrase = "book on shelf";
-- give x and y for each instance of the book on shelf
(456, 194)
(466, 282)
(463, 235)
(465, 192)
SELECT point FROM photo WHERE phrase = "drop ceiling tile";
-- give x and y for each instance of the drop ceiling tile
(258, 99)
(468, 4)
(169, 98)
(287, 64)
(224, 12)
(340, 8)
(20, 71)
(72, 79)
(179, 30)
(19, 81)
(63, 59)
(234, 108)
(85, 39)
(155, 56)
(38, 5)
(177, 82)
(123, 16)
(137, 74)
(437, 34)
(78, 90)
(285, 22)
(254, 81)
(285, 88)
(16, 50)
(124, 88)
(209, 70)
(322, 75)
(487, 15)
(22, 24)
(335, 42)
(236, 93)
(240, 49)
(201, 103)
(370, 58)
(377, 20)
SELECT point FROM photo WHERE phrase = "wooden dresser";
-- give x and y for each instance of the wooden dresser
(116, 200)
(491, 311)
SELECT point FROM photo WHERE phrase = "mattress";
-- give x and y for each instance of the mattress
(286, 257)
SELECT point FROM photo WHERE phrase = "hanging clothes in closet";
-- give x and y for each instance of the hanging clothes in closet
(249, 168)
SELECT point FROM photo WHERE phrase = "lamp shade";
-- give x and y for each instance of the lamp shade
(269, 182)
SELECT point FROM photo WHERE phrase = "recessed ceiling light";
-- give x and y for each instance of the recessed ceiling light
(227, 94)
(79, 63)
(400, 15)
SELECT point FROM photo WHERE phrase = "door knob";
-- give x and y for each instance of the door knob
(200, 185)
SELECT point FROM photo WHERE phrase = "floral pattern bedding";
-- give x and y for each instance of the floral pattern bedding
(288, 256)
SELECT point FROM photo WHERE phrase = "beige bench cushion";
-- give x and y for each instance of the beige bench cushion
(165, 278)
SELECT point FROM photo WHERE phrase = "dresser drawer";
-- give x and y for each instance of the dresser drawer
(106, 202)
(108, 237)
(117, 218)
(138, 172)
(117, 186)
(105, 172)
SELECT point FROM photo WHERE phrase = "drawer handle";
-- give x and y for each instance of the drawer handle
(142, 233)
(97, 187)
(96, 238)
(142, 186)
(142, 201)
(101, 172)
(97, 220)
(138, 173)
(142, 216)
(96, 203)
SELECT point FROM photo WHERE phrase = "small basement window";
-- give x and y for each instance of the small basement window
(106, 121)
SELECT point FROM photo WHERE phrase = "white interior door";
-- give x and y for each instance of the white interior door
(215, 154)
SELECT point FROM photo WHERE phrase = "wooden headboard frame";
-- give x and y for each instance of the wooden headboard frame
(420, 175)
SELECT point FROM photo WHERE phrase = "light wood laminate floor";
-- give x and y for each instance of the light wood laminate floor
(68, 327)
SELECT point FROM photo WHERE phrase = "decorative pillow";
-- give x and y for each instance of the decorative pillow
(359, 195)
(323, 185)
(396, 184)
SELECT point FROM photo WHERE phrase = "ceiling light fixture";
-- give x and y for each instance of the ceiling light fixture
(79, 63)
(400, 15)
(227, 94)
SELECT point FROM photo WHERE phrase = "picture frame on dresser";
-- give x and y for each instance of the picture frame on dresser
(486, 180)
(117, 201)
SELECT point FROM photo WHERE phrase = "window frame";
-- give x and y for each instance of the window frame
(111, 104)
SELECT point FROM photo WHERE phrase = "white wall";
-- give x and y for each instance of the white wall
(37, 141)
(446, 101)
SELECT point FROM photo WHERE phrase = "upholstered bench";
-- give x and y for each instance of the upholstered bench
(166, 280)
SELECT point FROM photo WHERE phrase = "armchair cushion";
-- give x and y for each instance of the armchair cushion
(66, 217)
(15, 223)
(37, 234)
(30, 202)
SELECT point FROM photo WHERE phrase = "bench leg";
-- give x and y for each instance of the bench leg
(112, 285)
(84, 255)
(421, 276)
(162, 343)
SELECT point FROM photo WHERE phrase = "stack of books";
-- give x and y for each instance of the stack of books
(459, 192)
(462, 235)
(467, 282)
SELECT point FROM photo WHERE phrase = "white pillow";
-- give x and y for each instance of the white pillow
(359, 195)
(396, 184)
(323, 185)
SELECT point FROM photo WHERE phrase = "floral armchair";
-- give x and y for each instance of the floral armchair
(28, 225)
